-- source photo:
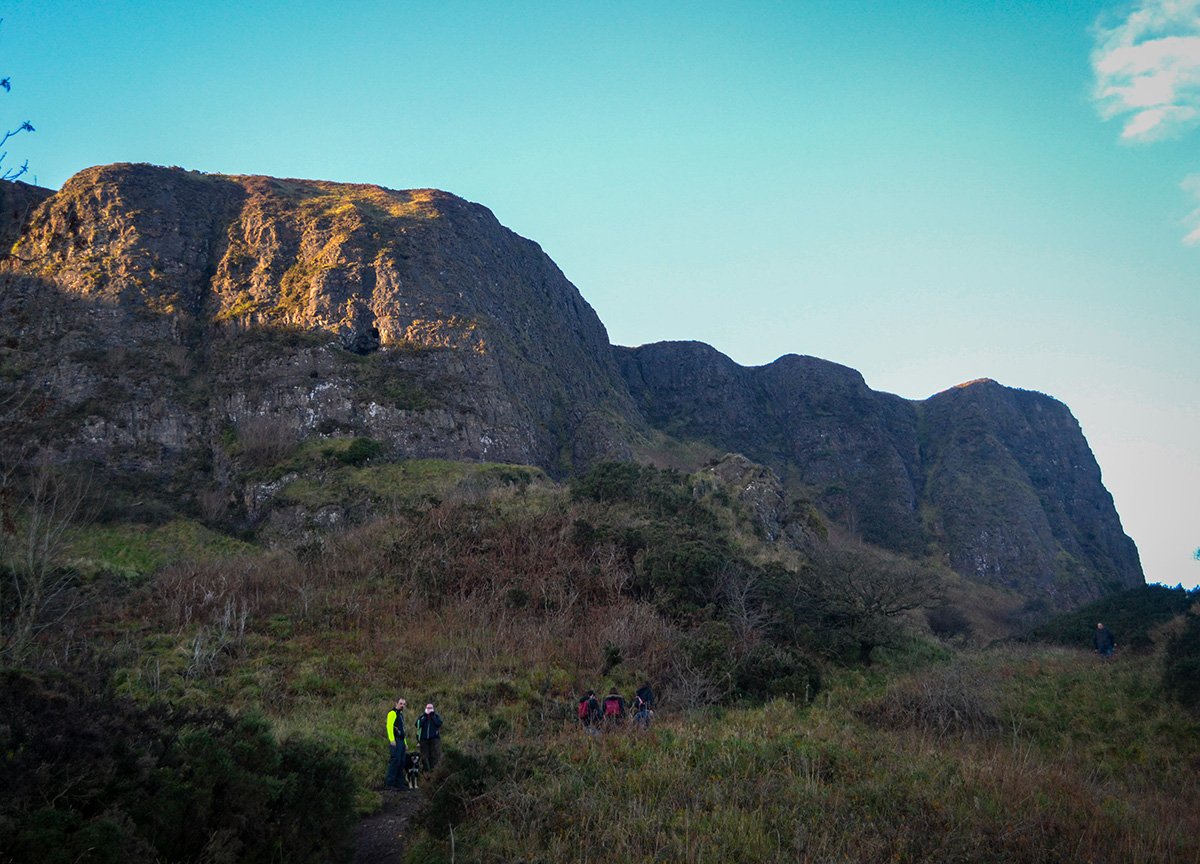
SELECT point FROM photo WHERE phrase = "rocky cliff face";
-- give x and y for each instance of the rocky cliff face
(1014, 495)
(827, 434)
(168, 306)
(999, 482)
(185, 329)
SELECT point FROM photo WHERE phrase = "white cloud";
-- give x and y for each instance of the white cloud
(1147, 69)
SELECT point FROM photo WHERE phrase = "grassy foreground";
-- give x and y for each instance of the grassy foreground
(1029, 755)
(501, 605)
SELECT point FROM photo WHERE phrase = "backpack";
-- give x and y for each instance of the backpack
(584, 708)
(612, 707)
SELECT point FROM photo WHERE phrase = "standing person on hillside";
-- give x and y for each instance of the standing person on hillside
(397, 751)
(1103, 641)
(644, 696)
(429, 738)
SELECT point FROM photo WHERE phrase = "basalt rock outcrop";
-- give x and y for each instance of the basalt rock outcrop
(998, 482)
(157, 309)
(186, 329)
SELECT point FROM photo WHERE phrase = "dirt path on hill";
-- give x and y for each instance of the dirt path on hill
(379, 839)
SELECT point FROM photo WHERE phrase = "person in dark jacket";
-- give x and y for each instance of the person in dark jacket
(396, 747)
(1103, 641)
(642, 715)
(429, 738)
(644, 696)
(589, 710)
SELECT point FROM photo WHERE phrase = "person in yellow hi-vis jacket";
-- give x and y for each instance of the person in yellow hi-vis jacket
(397, 749)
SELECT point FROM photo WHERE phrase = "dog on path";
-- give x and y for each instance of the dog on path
(412, 768)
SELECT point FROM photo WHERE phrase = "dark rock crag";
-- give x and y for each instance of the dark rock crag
(1000, 483)
(159, 315)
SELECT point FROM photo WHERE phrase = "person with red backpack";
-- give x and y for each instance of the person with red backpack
(614, 707)
(588, 710)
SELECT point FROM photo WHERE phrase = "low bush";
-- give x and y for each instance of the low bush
(1131, 616)
(1181, 665)
(768, 671)
(358, 452)
(956, 699)
(88, 776)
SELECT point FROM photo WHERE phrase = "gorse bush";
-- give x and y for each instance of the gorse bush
(88, 776)
(661, 492)
(767, 671)
(1131, 615)
(1181, 664)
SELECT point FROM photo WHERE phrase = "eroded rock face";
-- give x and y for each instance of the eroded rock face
(999, 482)
(186, 329)
(1015, 495)
(164, 306)
(814, 422)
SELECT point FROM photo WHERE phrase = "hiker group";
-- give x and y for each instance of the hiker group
(611, 711)
(404, 767)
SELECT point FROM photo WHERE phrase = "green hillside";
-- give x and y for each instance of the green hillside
(233, 690)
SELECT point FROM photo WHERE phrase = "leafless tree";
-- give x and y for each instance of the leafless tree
(12, 173)
(36, 591)
(693, 688)
(743, 606)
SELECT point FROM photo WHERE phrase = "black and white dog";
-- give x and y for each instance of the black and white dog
(412, 768)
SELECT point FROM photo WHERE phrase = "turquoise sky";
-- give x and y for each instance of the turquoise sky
(929, 192)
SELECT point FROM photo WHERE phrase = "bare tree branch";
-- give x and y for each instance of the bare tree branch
(37, 587)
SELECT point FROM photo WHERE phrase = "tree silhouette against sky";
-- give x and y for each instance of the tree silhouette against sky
(12, 173)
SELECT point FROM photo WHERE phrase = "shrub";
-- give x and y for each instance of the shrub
(948, 622)
(708, 649)
(608, 482)
(680, 570)
(88, 776)
(1130, 615)
(1181, 665)
(358, 451)
(950, 700)
(770, 670)
(663, 492)
(463, 778)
